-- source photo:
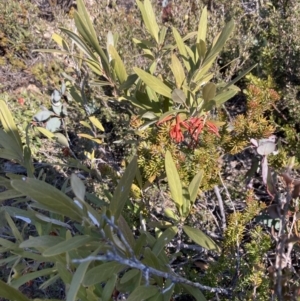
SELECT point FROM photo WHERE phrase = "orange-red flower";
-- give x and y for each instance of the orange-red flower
(212, 128)
(194, 125)
(176, 132)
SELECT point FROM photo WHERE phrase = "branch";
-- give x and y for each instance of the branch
(133, 262)
(136, 264)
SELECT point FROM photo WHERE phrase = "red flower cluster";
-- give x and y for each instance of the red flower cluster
(194, 126)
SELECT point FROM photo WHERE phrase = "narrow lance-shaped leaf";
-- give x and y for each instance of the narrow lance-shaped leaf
(78, 187)
(154, 29)
(142, 293)
(10, 293)
(77, 281)
(173, 180)
(118, 64)
(122, 191)
(241, 75)
(86, 29)
(223, 37)
(67, 245)
(202, 28)
(181, 48)
(224, 96)
(164, 239)
(177, 70)
(154, 83)
(9, 125)
(194, 186)
(30, 276)
(209, 92)
(47, 195)
(195, 292)
(110, 41)
(10, 147)
(200, 238)
(149, 18)
(80, 43)
(60, 41)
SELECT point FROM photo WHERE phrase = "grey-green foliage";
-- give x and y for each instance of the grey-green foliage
(52, 119)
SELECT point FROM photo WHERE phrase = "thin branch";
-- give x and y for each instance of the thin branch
(136, 264)
(133, 262)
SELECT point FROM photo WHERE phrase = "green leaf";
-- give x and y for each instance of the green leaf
(12, 226)
(41, 241)
(224, 96)
(241, 75)
(77, 281)
(142, 293)
(10, 145)
(202, 27)
(68, 245)
(78, 187)
(60, 41)
(122, 191)
(209, 92)
(178, 96)
(181, 48)
(173, 180)
(10, 293)
(61, 139)
(30, 276)
(45, 132)
(18, 213)
(177, 70)
(195, 292)
(131, 79)
(81, 44)
(162, 34)
(149, 18)
(154, 29)
(118, 65)
(126, 231)
(129, 275)
(154, 83)
(200, 238)
(102, 273)
(164, 239)
(194, 186)
(201, 48)
(223, 37)
(9, 126)
(86, 29)
(10, 194)
(96, 123)
(45, 194)
(52, 280)
(7, 244)
(170, 214)
(109, 288)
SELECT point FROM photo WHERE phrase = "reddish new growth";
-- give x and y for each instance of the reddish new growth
(194, 125)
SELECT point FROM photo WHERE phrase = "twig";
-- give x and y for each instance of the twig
(133, 262)
(136, 264)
